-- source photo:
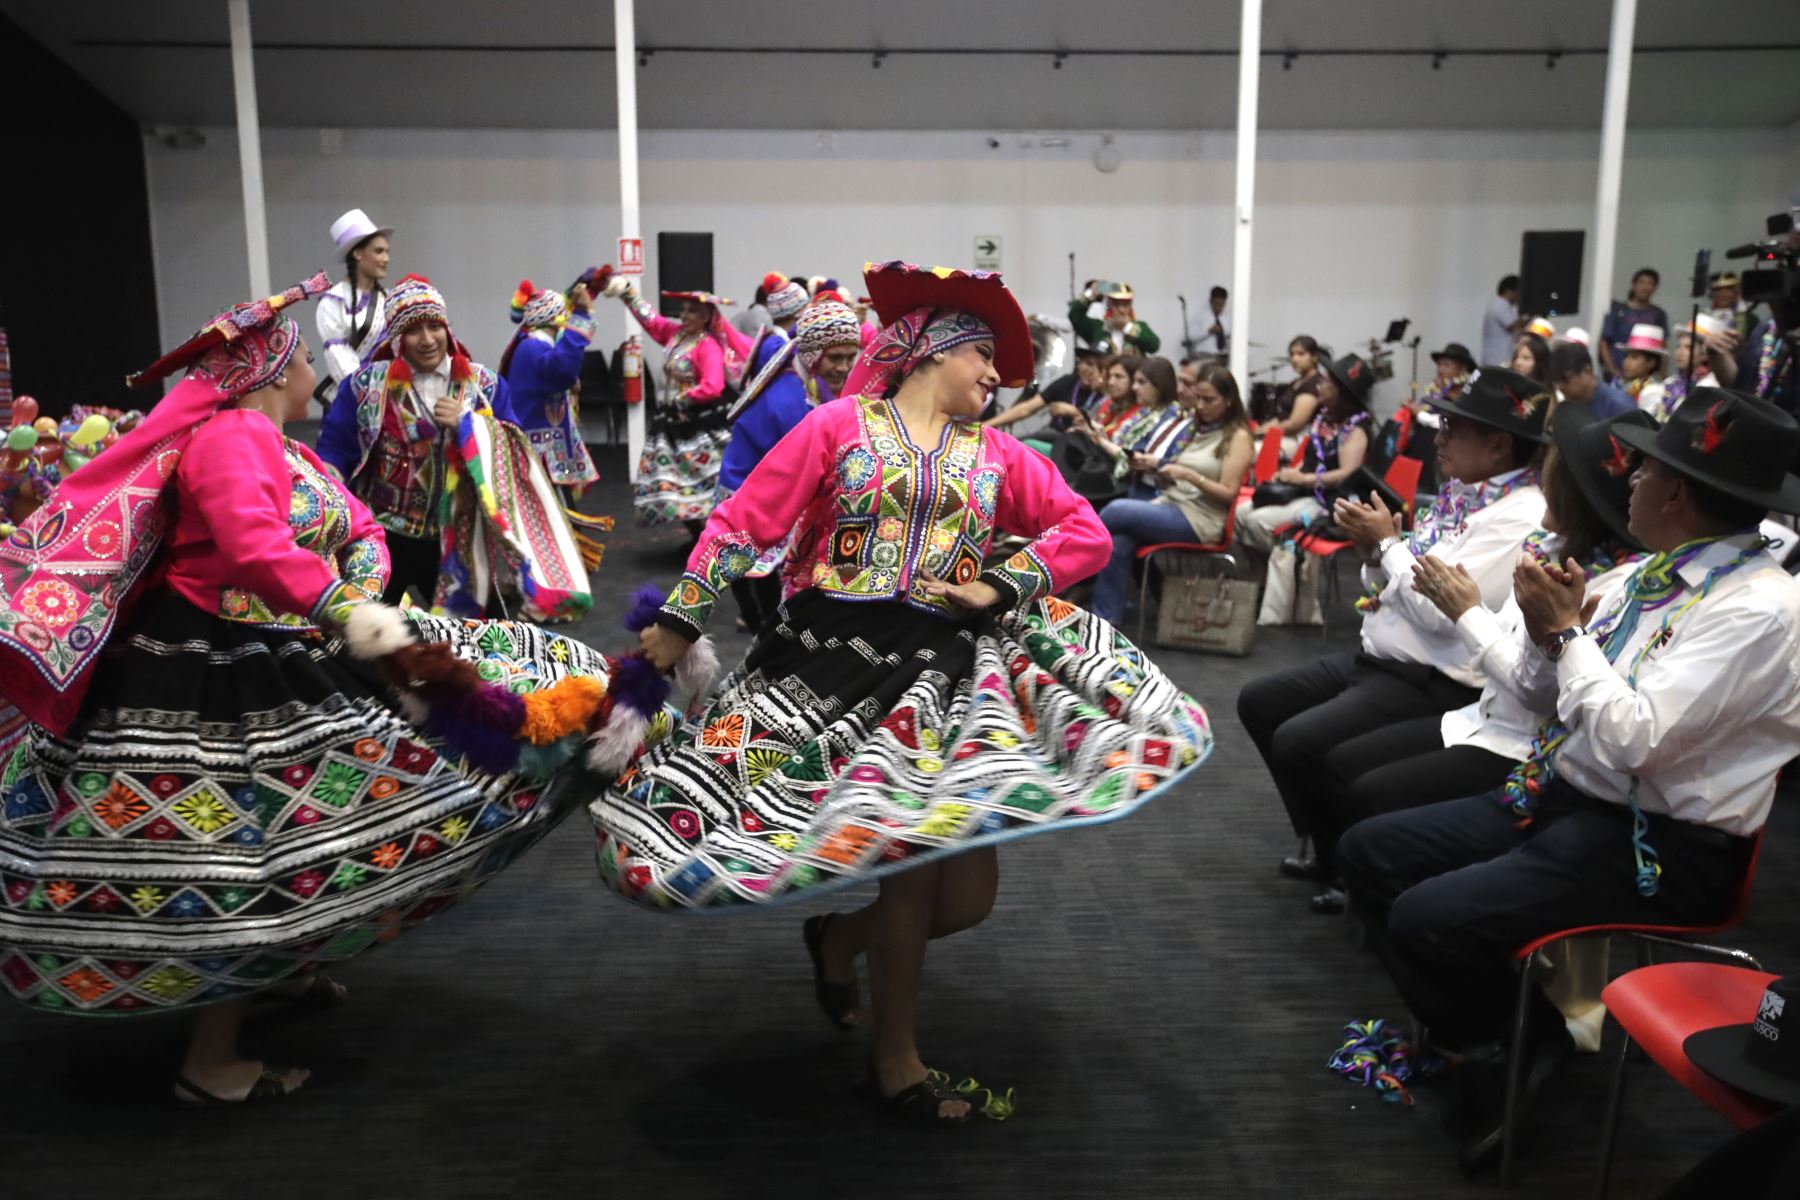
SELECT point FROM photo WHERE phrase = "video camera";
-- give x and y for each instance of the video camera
(1775, 280)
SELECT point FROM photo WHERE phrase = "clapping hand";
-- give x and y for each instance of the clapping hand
(1551, 597)
(1367, 524)
(1449, 587)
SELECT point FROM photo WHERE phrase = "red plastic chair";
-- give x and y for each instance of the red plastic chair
(1403, 476)
(1146, 555)
(1647, 937)
(1657, 1008)
(1268, 457)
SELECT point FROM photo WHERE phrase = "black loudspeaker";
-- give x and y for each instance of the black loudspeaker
(684, 263)
(1550, 271)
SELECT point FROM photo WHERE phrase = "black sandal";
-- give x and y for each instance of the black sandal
(921, 1103)
(838, 1000)
(268, 1086)
(323, 992)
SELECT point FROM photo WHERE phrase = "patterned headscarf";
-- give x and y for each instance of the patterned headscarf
(782, 296)
(538, 308)
(898, 350)
(822, 325)
(76, 563)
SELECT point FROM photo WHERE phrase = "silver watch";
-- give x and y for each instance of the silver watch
(1557, 642)
(1387, 543)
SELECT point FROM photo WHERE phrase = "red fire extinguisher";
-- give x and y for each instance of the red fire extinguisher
(634, 371)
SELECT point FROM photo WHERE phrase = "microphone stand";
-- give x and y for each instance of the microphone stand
(1071, 275)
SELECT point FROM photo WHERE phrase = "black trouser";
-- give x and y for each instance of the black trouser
(413, 562)
(1450, 891)
(1394, 767)
(1297, 716)
(757, 599)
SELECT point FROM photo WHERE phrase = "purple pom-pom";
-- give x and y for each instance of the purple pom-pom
(646, 602)
(483, 726)
(639, 686)
(495, 707)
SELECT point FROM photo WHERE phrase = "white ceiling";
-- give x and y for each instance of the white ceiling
(349, 63)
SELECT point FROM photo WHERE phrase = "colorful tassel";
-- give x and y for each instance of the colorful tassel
(637, 684)
(521, 297)
(646, 602)
(566, 706)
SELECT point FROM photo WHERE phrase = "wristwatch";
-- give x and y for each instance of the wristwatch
(1385, 544)
(1557, 642)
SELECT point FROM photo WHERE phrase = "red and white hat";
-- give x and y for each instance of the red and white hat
(1648, 339)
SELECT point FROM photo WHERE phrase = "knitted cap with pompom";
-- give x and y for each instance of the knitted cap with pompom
(521, 295)
(783, 296)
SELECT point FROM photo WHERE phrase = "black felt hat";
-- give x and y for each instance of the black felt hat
(1761, 1056)
(1355, 378)
(1732, 441)
(1457, 353)
(1598, 462)
(1503, 400)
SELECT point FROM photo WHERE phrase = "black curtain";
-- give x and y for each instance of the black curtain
(77, 280)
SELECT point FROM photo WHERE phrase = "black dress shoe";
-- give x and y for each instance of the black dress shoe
(1296, 866)
(1329, 903)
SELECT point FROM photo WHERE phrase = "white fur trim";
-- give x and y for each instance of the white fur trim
(615, 287)
(413, 709)
(611, 748)
(698, 669)
(376, 630)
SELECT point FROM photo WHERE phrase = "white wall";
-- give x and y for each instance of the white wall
(1352, 229)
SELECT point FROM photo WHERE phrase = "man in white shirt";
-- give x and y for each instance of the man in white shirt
(1412, 663)
(1501, 324)
(1675, 695)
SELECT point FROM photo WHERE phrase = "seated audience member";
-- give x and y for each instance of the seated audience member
(1197, 488)
(1670, 701)
(1298, 402)
(1641, 368)
(1412, 663)
(1572, 374)
(1336, 443)
(1077, 394)
(1531, 357)
(1472, 749)
(1152, 433)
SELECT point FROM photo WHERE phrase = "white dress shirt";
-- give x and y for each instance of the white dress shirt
(1406, 627)
(1502, 721)
(337, 323)
(431, 386)
(1716, 710)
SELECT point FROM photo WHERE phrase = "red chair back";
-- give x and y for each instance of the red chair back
(1268, 458)
(1403, 476)
(1404, 420)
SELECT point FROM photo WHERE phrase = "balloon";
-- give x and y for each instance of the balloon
(74, 461)
(24, 410)
(45, 426)
(21, 437)
(90, 430)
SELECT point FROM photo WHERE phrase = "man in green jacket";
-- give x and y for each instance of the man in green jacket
(1120, 332)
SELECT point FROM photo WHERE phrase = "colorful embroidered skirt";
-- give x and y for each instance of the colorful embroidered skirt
(237, 806)
(860, 739)
(678, 473)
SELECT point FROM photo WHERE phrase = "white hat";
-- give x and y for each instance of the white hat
(1578, 335)
(1541, 328)
(1709, 325)
(353, 227)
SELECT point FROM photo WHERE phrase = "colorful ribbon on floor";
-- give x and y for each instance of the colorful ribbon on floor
(1376, 1056)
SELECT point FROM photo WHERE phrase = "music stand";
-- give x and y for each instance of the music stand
(1396, 330)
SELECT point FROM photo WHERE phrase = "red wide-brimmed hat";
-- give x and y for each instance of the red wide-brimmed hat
(897, 288)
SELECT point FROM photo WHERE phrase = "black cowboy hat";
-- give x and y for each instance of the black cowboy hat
(1753, 1057)
(1503, 400)
(1456, 352)
(1599, 464)
(1732, 441)
(1355, 378)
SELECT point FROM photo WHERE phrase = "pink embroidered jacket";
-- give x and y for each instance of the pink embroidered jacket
(871, 511)
(263, 534)
(693, 368)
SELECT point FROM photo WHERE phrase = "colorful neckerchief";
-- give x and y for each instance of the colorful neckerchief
(1653, 586)
(1456, 502)
(1320, 455)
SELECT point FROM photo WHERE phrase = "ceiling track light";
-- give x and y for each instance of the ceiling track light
(1437, 60)
(1550, 60)
(875, 62)
(644, 57)
(1288, 60)
(1060, 58)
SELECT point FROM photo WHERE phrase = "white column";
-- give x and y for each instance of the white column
(243, 79)
(1612, 157)
(625, 72)
(1244, 206)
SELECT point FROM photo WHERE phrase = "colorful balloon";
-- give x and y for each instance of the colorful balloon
(45, 426)
(24, 410)
(21, 437)
(91, 430)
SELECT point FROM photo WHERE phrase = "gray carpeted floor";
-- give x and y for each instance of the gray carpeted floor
(1161, 1000)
